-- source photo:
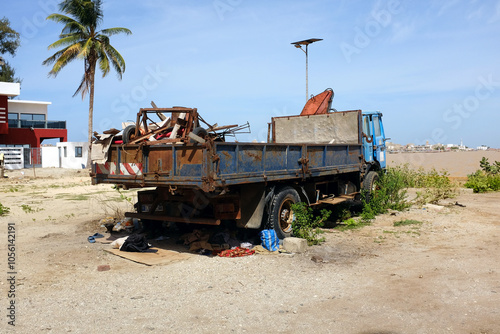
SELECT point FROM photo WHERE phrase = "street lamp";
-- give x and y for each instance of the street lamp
(299, 46)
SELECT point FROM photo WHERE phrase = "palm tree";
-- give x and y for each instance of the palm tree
(81, 39)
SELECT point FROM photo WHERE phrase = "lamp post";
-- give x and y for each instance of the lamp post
(299, 46)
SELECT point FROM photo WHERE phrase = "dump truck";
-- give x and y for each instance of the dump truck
(190, 173)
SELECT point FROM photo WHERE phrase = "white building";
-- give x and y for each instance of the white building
(65, 155)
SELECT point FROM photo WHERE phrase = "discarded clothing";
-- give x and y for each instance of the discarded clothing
(118, 242)
(135, 243)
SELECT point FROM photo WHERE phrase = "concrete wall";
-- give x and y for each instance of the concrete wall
(50, 156)
(63, 155)
(69, 160)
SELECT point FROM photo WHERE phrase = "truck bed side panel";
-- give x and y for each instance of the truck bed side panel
(228, 163)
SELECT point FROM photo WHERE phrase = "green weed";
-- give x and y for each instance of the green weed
(26, 208)
(4, 210)
(390, 194)
(307, 225)
(123, 197)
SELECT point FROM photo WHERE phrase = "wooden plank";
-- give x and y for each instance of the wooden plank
(335, 200)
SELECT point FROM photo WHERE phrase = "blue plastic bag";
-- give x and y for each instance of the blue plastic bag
(270, 240)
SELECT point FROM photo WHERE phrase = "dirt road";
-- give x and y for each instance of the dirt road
(441, 276)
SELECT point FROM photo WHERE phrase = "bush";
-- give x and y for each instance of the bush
(390, 194)
(306, 225)
(487, 179)
(481, 182)
(437, 186)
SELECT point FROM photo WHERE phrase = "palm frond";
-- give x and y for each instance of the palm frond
(62, 58)
(115, 31)
(117, 60)
(60, 18)
(86, 49)
(68, 39)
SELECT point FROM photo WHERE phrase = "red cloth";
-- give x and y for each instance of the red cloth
(236, 252)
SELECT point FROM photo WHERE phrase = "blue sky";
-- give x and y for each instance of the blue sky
(431, 67)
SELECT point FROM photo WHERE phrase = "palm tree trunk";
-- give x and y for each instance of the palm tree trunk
(91, 115)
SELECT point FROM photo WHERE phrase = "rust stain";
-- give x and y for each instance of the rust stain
(256, 157)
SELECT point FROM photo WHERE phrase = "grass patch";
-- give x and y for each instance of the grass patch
(73, 197)
(351, 224)
(28, 209)
(4, 210)
(406, 222)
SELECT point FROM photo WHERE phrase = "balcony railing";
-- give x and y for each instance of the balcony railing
(13, 123)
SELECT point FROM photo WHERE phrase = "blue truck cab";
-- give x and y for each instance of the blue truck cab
(374, 139)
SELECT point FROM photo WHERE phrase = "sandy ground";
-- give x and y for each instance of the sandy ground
(442, 276)
(458, 164)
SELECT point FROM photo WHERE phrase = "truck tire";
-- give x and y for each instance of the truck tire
(200, 132)
(281, 215)
(370, 184)
(128, 134)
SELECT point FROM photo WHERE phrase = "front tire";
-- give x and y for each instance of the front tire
(370, 184)
(282, 217)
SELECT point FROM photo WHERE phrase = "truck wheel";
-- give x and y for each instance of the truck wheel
(282, 217)
(128, 134)
(370, 184)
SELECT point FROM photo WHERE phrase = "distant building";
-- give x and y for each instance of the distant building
(483, 147)
(25, 125)
(65, 155)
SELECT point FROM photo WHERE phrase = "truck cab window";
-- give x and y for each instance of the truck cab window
(366, 126)
(376, 125)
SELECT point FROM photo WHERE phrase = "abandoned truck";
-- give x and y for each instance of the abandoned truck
(193, 175)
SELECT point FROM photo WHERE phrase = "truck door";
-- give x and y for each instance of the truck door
(379, 140)
(367, 139)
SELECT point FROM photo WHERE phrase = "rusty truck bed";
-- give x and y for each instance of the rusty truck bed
(217, 165)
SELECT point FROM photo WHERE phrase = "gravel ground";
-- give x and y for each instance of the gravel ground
(438, 277)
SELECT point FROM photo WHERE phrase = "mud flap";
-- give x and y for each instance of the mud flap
(252, 201)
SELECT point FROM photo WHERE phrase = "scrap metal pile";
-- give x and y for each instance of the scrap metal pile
(177, 125)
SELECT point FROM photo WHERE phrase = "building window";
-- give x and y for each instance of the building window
(33, 117)
(78, 151)
(13, 115)
(65, 152)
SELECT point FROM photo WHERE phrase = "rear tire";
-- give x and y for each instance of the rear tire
(128, 134)
(281, 218)
(370, 184)
(200, 132)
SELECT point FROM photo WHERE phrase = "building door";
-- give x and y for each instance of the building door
(60, 157)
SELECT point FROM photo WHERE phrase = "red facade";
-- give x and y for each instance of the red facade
(22, 136)
(4, 124)
(31, 137)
